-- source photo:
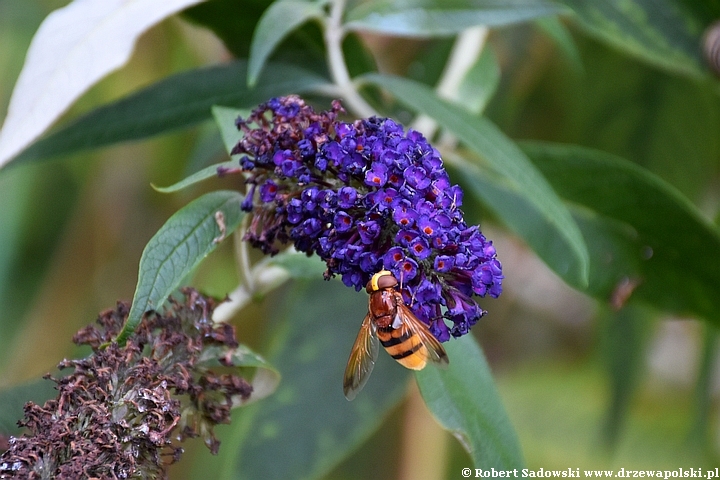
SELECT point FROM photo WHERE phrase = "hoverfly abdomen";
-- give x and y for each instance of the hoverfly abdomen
(404, 346)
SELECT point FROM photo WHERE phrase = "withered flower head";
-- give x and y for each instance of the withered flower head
(119, 414)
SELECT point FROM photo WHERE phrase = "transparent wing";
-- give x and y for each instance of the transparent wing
(434, 352)
(362, 359)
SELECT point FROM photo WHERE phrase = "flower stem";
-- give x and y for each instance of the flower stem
(334, 33)
(467, 49)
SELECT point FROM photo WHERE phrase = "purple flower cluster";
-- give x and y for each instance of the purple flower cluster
(366, 196)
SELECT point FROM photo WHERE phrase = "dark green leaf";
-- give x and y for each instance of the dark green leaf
(307, 421)
(504, 157)
(232, 21)
(13, 399)
(661, 32)
(276, 23)
(176, 102)
(676, 250)
(465, 401)
(430, 18)
(178, 247)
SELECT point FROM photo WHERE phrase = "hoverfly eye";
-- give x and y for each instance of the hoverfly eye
(387, 281)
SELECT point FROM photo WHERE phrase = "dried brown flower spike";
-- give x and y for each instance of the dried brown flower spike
(122, 410)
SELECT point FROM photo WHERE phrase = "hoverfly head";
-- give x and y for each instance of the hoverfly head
(381, 280)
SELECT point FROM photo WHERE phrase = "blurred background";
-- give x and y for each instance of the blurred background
(72, 230)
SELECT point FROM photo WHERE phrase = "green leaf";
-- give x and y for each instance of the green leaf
(558, 32)
(230, 21)
(308, 421)
(266, 378)
(173, 103)
(661, 32)
(431, 18)
(207, 172)
(463, 398)
(480, 83)
(299, 265)
(503, 156)
(522, 216)
(178, 247)
(275, 24)
(676, 249)
(14, 398)
(225, 120)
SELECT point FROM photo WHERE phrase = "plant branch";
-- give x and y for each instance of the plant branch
(334, 34)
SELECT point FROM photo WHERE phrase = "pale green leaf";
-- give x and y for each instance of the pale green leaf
(207, 172)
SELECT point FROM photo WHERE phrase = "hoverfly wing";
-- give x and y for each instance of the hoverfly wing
(362, 359)
(433, 352)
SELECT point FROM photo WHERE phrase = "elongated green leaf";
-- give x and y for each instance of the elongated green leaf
(504, 157)
(465, 401)
(276, 23)
(308, 421)
(12, 400)
(178, 247)
(676, 250)
(176, 102)
(199, 176)
(661, 32)
(430, 18)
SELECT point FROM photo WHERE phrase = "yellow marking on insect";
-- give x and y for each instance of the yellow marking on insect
(375, 278)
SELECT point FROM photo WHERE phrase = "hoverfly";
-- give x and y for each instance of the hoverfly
(390, 322)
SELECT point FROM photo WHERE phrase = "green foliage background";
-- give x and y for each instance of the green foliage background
(594, 164)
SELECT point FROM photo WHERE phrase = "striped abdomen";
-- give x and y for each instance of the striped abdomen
(404, 345)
